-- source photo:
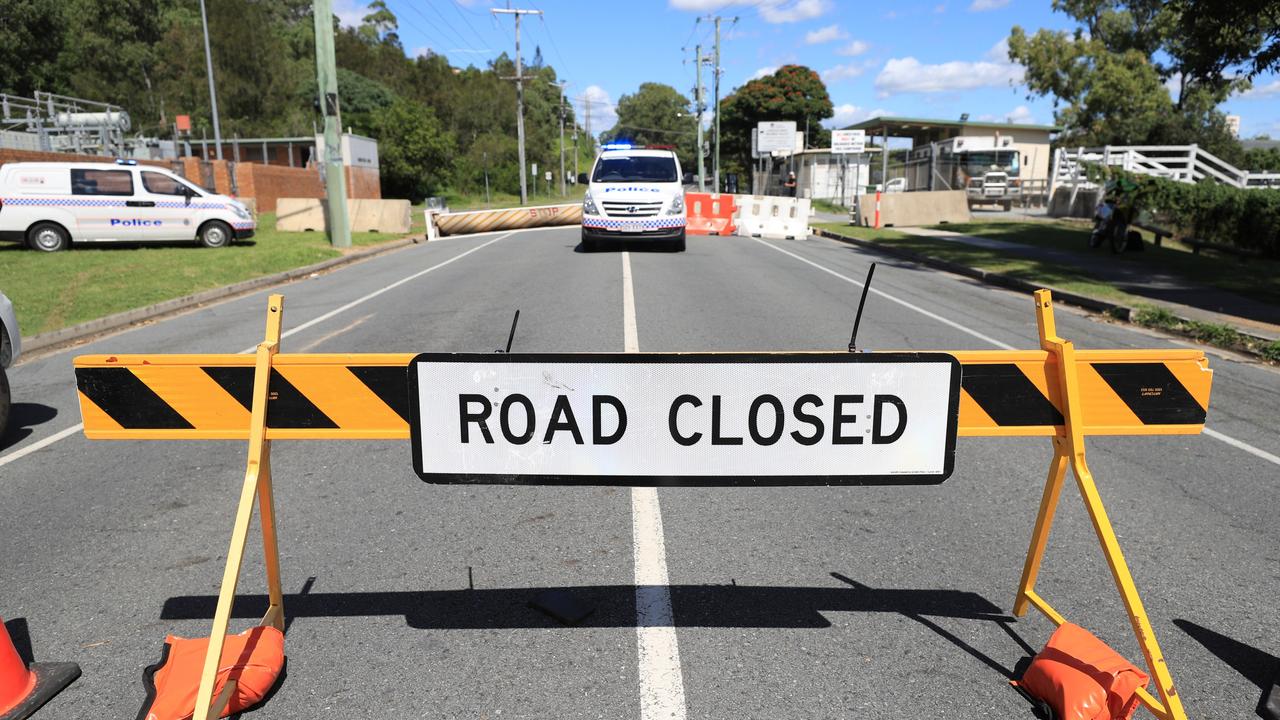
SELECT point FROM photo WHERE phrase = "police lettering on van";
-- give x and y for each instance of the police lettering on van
(48, 206)
(634, 193)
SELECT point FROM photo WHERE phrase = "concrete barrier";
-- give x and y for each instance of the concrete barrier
(1073, 202)
(302, 214)
(478, 221)
(915, 208)
(772, 217)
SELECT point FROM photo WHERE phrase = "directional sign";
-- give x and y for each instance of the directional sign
(684, 419)
(776, 136)
(848, 141)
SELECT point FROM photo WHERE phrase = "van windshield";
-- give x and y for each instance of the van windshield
(635, 169)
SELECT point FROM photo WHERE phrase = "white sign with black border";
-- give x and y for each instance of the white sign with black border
(696, 419)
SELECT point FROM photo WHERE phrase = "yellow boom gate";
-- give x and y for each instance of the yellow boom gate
(1056, 392)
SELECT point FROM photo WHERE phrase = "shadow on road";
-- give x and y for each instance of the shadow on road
(23, 417)
(1258, 667)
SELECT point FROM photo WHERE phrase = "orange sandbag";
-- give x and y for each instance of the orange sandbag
(254, 659)
(1083, 679)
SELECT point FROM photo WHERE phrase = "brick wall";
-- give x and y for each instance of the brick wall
(364, 183)
(9, 156)
(267, 183)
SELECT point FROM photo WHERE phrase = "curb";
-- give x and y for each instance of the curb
(75, 333)
(1115, 310)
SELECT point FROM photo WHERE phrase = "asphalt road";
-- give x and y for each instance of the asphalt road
(885, 602)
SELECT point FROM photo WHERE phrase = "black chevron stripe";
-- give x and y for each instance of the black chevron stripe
(287, 408)
(389, 382)
(128, 400)
(1005, 393)
(1152, 392)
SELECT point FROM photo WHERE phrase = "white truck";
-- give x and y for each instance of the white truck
(634, 193)
(48, 206)
(987, 167)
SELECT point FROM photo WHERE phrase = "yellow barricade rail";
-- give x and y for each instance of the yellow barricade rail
(1055, 391)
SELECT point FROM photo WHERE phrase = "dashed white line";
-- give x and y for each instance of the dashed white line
(1238, 444)
(658, 650)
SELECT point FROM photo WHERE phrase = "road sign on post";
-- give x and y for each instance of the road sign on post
(848, 141)
(703, 419)
(776, 136)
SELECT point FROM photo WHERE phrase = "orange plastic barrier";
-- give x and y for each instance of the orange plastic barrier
(709, 214)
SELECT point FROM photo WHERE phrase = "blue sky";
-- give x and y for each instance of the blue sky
(927, 58)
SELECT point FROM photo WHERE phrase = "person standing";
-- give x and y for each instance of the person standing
(790, 185)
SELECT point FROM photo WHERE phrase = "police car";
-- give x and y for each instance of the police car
(634, 193)
(48, 206)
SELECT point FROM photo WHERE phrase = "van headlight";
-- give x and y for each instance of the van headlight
(241, 213)
(589, 205)
(677, 206)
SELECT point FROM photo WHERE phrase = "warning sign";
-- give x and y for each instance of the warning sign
(684, 419)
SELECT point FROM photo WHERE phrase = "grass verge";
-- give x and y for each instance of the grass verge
(1029, 269)
(1223, 336)
(1257, 278)
(55, 290)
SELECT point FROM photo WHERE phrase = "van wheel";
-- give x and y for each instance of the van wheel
(48, 237)
(678, 244)
(215, 234)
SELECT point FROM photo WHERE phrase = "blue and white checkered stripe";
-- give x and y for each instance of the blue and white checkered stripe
(659, 223)
(102, 202)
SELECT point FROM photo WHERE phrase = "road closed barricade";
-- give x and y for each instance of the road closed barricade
(478, 221)
(658, 419)
(709, 214)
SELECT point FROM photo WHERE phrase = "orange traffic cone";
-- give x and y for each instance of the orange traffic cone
(24, 690)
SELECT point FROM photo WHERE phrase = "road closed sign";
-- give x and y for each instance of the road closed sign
(694, 419)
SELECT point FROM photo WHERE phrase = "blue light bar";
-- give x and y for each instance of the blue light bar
(617, 146)
(123, 161)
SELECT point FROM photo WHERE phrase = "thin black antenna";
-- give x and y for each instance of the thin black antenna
(857, 320)
(511, 337)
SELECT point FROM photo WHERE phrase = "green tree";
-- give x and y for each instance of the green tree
(415, 153)
(793, 92)
(1110, 79)
(1219, 36)
(657, 114)
(31, 37)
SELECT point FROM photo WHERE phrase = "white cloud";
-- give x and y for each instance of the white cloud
(773, 11)
(350, 13)
(604, 114)
(824, 35)
(999, 53)
(908, 75)
(1257, 92)
(984, 5)
(1020, 115)
(857, 47)
(843, 72)
(766, 70)
(848, 114)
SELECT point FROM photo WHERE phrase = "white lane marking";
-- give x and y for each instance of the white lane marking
(366, 298)
(887, 296)
(1239, 444)
(63, 434)
(661, 680)
(1273, 459)
(630, 343)
(40, 444)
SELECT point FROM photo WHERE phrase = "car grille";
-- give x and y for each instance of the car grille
(631, 209)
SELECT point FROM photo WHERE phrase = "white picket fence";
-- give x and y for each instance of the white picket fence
(1184, 163)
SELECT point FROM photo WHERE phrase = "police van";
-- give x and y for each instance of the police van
(50, 205)
(634, 193)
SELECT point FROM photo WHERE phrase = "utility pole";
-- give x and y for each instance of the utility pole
(213, 95)
(335, 177)
(519, 78)
(699, 107)
(716, 79)
(561, 85)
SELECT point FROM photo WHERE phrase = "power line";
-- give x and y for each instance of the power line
(428, 20)
(458, 9)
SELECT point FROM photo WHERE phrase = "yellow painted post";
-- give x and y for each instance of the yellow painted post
(1044, 522)
(257, 474)
(1171, 705)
